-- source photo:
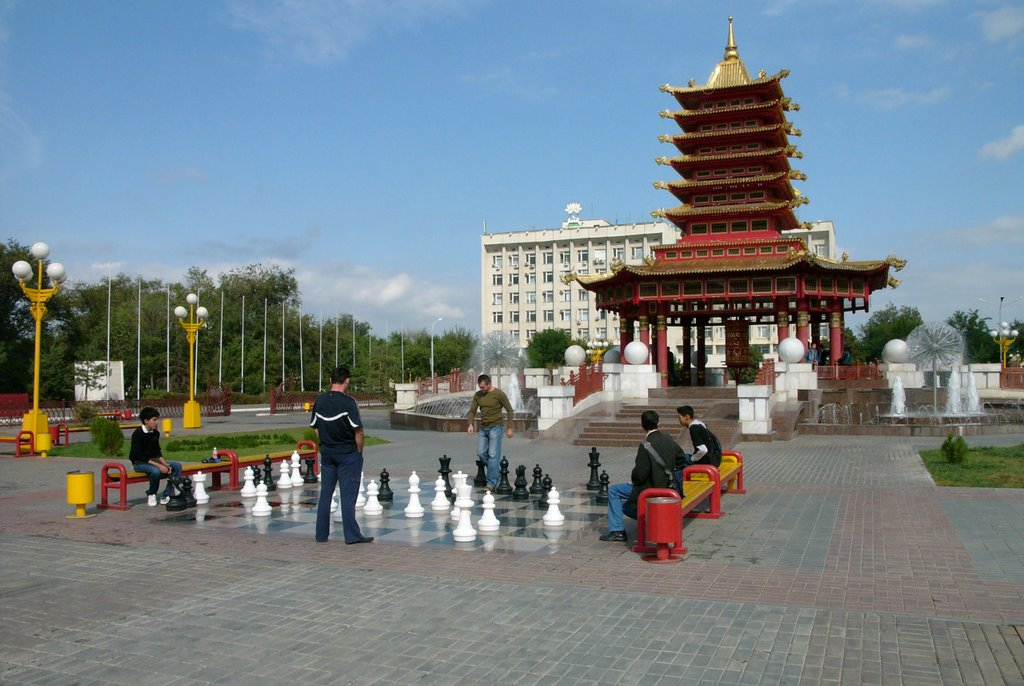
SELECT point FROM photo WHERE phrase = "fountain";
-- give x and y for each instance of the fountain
(899, 399)
(973, 405)
(953, 393)
(514, 393)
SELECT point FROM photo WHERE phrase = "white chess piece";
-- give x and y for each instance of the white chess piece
(284, 481)
(248, 489)
(440, 502)
(296, 474)
(336, 503)
(464, 532)
(459, 478)
(262, 507)
(488, 522)
(372, 507)
(360, 499)
(553, 517)
(414, 509)
(295, 459)
(199, 481)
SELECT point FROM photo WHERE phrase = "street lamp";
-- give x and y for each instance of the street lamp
(1004, 338)
(196, 317)
(35, 421)
(433, 379)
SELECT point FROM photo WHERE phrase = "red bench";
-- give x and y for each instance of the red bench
(23, 441)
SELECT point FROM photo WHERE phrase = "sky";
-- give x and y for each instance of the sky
(367, 143)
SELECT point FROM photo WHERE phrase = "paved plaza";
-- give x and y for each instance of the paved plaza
(843, 563)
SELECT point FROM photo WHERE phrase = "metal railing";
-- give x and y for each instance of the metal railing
(589, 380)
(852, 372)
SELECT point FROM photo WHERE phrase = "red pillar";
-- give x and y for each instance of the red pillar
(835, 337)
(625, 337)
(803, 327)
(687, 354)
(702, 361)
(645, 336)
(782, 323)
(663, 350)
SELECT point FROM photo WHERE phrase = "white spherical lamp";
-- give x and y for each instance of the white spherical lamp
(791, 350)
(40, 250)
(23, 271)
(575, 355)
(180, 312)
(192, 299)
(636, 352)
(895, 352)
(56, 272)
(612, 355)
(202, 313)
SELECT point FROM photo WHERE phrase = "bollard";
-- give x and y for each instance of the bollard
(306, 406)
(81, 487)
(167, 425)
(664, 528)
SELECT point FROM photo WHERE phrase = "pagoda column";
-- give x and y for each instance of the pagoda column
(625, 337)
(662, 339)
(835, 336)
(782, 323)
(803, 328)
(645, 335)
(687, 354)
(702, 359)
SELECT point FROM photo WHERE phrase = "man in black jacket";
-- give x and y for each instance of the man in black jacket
(147, 457)
(647, 473)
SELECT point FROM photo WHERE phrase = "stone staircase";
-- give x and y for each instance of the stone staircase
(717, 406)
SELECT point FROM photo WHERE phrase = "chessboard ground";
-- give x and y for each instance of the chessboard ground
(294, 513)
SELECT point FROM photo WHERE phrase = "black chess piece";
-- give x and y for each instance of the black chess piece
(446, 472)
(257, 475)
(536, 488)
(385, 495)
(310, 477)
(547, 483)
(268, 474)
(520, 492)
(503, 487)
(602, 492)
(594, 483)
(188, 492)
(481, 473)
(177, 502)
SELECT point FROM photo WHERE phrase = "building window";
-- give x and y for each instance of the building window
(529, 333)
(618, 253)
(514, 333)
(531, 298)
(496, 261)
(513, 298)
(762, 332)
(582, 315)
(549, 257)
(566, 296)
(531, 278)
(563, 256)
(581, 256)
(496, 280)
(513, 316)
(549, 315)
(513, 261)
(563, 315)
(599, 256)
(496, 298)
(584, 296)
(513, 279)
(638, 252)
(496, 317)
(549, 277)
(531, 315)
(531, 259)
(549, 297)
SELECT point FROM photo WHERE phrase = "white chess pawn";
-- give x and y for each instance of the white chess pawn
(440, 502)
(336, 503)
(248, 489)
(284, 480)
(553, 517)
(488, 522)
(262, 507)
(199, 481)
(372, 506)
(414, 509)
(464, 531)
(360, 499)
(296, 475)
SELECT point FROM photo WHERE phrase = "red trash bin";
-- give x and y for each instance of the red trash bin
(664, 528)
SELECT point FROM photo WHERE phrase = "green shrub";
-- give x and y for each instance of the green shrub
(954, 448)
(106, 435)
(309, 435)
(84, 412)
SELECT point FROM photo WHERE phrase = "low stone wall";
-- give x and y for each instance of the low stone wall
(451, 424)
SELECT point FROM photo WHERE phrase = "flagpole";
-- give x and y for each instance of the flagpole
(242, 370)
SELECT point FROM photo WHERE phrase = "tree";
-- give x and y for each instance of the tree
(885, 325)
(978, 345)
(547, 348)
(16, 325)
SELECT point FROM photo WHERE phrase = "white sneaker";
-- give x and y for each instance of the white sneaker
(151, 500)
(166, 499)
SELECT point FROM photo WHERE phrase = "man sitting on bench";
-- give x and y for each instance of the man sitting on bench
(647, 473)
(147, 457)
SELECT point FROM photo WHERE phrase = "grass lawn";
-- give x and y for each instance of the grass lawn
(984, 467)
(198, 448)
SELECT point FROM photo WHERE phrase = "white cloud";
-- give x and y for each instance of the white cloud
(893, 98)
(1002, 23)
(1005, 147)
(912, 41)
(782, 6)
(323, 33)
(1003, 231)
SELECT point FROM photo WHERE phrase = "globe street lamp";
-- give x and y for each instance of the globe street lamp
(35, 421)
(1004, 338)
(433, 379)
(196, 317)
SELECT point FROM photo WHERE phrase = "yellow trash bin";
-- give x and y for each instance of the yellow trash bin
(306, 406)
(81, 488)
(167, 424)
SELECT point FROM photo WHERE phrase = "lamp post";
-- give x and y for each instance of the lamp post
(196, 317)
(1004, 338)
(35, 421)
(596, 348)
(433, 379)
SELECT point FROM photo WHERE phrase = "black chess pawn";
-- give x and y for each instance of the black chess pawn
(310, 477)
(520, 492)
(188, 492)
(503, 487)
(536, 488)
(547, 483)
(594, 483)
(177, 502)
(268, 474)
(602, 492)
(385, 495)
(445, 471)
(257, 475)
(481, 473)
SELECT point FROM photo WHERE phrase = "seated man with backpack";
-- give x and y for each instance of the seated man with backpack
(657, 458)
(706, 448)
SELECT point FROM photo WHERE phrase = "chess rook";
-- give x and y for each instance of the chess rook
(202, 496)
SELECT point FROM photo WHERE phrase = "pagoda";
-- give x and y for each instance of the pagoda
(734, 264)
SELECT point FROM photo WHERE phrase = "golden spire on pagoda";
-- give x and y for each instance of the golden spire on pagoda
(730, 71)
(731, 53)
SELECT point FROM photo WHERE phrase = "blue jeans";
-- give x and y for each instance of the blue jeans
(344, 471)
(155, 475)
(618, 505)
(488, 449)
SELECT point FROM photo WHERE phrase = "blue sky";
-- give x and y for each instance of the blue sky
(366, 143)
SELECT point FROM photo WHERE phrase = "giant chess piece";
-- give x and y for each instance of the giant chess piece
(177, 501)
(481, 473)
(464, 532)
(268, 474)
(602, 493)
(262, 507)
(310, 477)
(445, 472)
(537, 487)
(414, 509)
(248, 489)
(296, 472)
(285, 479)
(257, 476)
(503, 487)
(386, 495)
(553, 517)
(202, 497)
(186, 490)
(520, 492)
(459, 479)
(488, 522)
(440, 502)
(372, 508)
(543, 502)
(295, 461)
(361, 498)
(594, 483)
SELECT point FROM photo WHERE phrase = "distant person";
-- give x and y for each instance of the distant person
(339, 431)
(647, 473)
(707, 449)
(846, 359)
(147, 457)
(812, 354)
(490, 401)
